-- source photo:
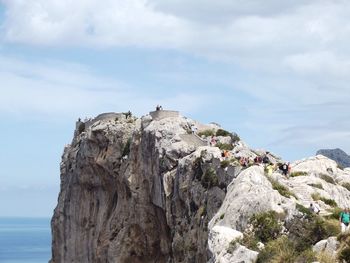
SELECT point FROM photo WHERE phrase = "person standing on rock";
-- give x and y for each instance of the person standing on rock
(213, 140)
(194, 129)
(269, 169)
(284, 168)
(344, 220)
(314, 208)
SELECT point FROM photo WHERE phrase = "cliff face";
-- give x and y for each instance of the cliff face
(147, 190)
(132, 191)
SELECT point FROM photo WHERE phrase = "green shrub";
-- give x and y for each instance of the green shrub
(346, 185)
(280, 188)
(344, 238)
(130, 120)
(316, 196)
(232, 246)
(126, 148)
(278, 251)
(250, 241)
(209, 179)
(202, 211)
(222, 216)
(197, 168)
(318, 185)
(332, 227)
(221, 132)
(344, 254)
(295, 174)
(329, 202)
(321, 229)
(307, 256)
(225, 163)
(206, 133)
(224, 146)
(266, 226)
(335, 213)
(327, 178)
(305, 232)
(235, 138)
(325, 257)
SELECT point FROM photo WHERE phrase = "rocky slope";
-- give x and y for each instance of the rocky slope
(338, 155)
(147, 190)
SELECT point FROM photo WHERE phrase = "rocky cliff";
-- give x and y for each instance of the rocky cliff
(338, 155)
(147, 190)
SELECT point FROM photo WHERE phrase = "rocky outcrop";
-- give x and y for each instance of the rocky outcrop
(328, 246)
(132, 190)
(338, 155)
(147, 190)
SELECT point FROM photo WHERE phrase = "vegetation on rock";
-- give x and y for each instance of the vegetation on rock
(327, 178)
(298, 173)
(317, 185)
(209, 179)
(206, 133)
(224, 146)
(284, 191)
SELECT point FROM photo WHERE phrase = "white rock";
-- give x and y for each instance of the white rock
(248, 194)
(329, 245)
(220, 238)
(219, 243)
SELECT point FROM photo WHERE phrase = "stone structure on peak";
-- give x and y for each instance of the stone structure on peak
(149, 190)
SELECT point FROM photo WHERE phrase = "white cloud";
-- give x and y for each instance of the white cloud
(266, 35)
(297, 53)
(61, 89)
(90, 22)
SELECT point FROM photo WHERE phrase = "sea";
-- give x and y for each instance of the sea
(25, 240)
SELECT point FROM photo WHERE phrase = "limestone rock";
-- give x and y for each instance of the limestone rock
(244, 199)
(329, 245)
(148, 190)
(223, 243)
(134, 190)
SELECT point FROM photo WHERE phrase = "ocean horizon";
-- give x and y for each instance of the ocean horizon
(25, 240)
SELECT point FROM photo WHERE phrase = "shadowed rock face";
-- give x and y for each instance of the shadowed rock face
(337, 155)
(131, 191)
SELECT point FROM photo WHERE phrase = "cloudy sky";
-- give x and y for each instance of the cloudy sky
(276, 72)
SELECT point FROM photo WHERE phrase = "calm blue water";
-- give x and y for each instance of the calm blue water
(25, 240)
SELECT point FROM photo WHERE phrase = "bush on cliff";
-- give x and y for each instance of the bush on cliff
(206, 133)
(224, 146)
(209, 178)
(284, 191)
(126, 147)
(221, 132)
(327, 178)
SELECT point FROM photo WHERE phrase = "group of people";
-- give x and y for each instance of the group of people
(159, 107)
(226, 154)
(285, 168)
(344, 217)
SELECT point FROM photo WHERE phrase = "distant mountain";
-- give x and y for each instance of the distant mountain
(338, 155)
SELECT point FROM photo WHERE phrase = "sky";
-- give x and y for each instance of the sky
(276, 72)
